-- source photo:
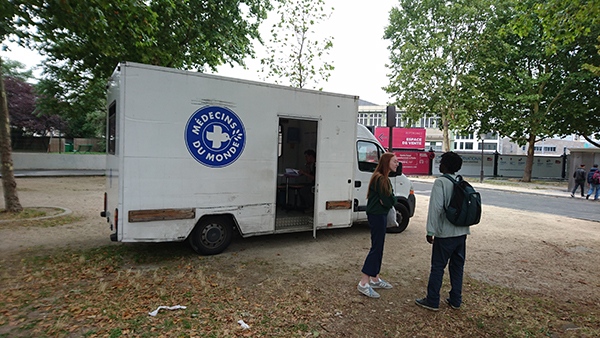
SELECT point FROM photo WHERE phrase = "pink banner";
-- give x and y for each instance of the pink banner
(414, 162)
(403, 138)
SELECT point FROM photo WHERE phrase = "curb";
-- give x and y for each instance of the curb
(552, 193)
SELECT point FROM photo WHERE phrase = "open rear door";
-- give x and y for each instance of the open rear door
(335, 172)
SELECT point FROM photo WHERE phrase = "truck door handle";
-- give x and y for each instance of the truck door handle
(357, 184)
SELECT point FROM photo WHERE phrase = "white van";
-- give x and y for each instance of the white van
(195, 157)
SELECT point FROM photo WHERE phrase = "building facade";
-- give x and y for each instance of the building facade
(372, 115)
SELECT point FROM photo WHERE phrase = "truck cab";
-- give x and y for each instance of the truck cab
(369, 150)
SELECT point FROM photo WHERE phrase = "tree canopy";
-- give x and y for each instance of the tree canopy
(84, 40)
(529, 94)
(293, 55)
(21, 99)
(432, 43)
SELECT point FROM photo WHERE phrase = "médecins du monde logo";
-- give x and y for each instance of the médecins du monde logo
(215, 136)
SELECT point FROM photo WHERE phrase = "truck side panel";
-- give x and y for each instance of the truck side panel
(158, 172)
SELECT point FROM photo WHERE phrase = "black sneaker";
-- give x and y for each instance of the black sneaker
(587, 197)
(424, 303)
(452, 306)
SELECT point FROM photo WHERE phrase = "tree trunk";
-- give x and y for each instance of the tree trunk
(11, 200)
(529, 162)
(445, 134)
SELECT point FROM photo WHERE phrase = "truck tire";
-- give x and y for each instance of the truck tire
(211, 235)
(402, 217)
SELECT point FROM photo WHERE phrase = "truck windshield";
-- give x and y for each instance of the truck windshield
(368, 155)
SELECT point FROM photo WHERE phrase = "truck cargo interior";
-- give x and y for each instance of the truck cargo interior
(295, 191)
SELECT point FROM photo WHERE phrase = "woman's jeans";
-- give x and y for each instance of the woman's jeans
(378, 224)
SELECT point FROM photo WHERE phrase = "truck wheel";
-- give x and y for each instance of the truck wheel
(401, 217)
(211, 235)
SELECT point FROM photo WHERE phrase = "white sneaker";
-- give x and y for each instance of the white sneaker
(381, 284)
(367, 290)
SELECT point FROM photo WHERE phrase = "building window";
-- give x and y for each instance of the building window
(428, 122)
(490, 136)
(436, 146)
(489, 146)
(469, 145)
(375, 120)
(363, 119)
(543, 149)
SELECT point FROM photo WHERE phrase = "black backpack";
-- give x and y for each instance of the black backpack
(465, 205)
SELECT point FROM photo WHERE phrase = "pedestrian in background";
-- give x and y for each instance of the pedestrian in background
(380, 199)
(449, 241)
(592, 178)
(579, 176)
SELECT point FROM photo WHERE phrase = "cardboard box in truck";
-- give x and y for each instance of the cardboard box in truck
(195, 157)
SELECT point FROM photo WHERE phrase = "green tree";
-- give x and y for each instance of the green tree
(293, 55)
(16, 70)
(84, 40)
(564, 22)
(9, 11)
(432, 45)
(530, 94)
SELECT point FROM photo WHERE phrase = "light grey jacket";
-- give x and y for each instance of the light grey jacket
(437, 223)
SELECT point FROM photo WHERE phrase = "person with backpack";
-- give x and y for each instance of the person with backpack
(579, 176)
(593, 179)
(448, 240)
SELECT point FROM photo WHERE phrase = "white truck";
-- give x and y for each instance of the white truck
(195, 157)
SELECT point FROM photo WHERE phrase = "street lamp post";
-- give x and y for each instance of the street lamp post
(391, 123)
(482, 158)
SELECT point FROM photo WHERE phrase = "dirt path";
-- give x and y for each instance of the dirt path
(542, 253)
(82, 195)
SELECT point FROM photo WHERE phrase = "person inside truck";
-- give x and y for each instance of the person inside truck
(380, 199)
(307, 192)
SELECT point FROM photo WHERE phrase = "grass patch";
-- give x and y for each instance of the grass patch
(41, 223)
(109, 291)
(32, 212)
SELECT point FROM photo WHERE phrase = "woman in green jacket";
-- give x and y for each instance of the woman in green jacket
(380, 200)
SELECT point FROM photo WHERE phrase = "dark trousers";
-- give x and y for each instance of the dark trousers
(378, 224)
(444, 249)
(578, 184)
(307, 196)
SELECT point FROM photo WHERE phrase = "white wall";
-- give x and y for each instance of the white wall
(508, 165)
(53, 161)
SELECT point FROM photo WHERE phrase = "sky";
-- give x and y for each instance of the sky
(359, 52)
